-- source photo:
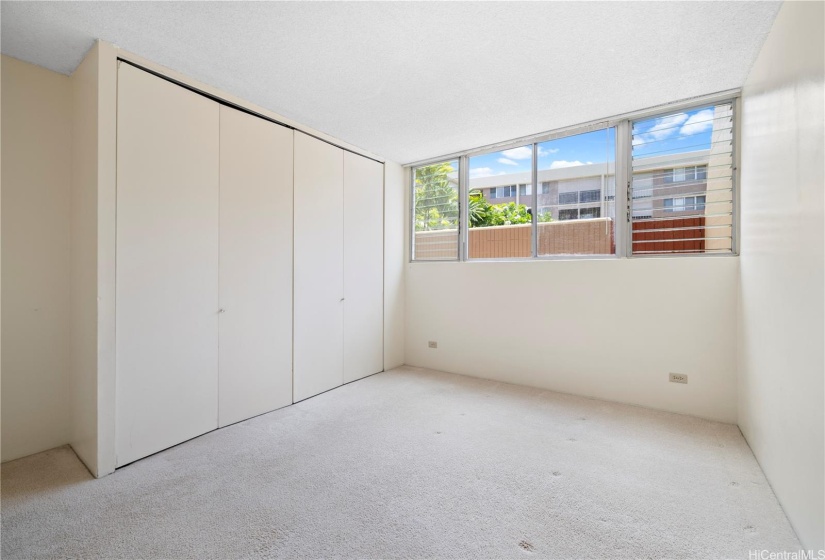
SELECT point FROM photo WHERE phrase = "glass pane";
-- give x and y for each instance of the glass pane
(501, 226)
(580, 194)
(436, 212)
(568, 197)
(682, 185)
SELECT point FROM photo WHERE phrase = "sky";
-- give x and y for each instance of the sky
(675, 133)
(687, 131)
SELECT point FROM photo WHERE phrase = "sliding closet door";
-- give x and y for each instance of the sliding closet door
(255, 266)
(363, 267)
(167, 265)
(319, 267)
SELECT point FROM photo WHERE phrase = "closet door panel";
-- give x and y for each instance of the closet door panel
(167, 265)
(319, 267)
(363, 266)
(255, 266)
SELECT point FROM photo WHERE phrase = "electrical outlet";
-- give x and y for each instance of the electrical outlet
(432, 344)
(678, 378)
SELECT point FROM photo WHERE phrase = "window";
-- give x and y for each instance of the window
(682, 174)
(685, 204)
(674, 204)
(568, 198)
(505, 192)
(682, 182)
(589, 196)
(501, 229)
(579, 168)
(670, 178)
(502, 192)
(435, 203)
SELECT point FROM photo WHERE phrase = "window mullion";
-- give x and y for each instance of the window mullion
(622, 198)
(535, 205)
(464, 203)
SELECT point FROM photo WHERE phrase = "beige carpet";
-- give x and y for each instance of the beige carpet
(412, 464)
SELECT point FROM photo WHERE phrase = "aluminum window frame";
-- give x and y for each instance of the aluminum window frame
(566, 133)
(465, 229)
(623, 176)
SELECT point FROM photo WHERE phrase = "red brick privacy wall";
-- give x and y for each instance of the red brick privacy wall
(501, 242)
(666, 241)
(575, 237)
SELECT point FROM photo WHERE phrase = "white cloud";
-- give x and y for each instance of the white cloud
(506, 161)
(524, 152)
(477, 172)
(664, 127)
(559, 163)
(698, 123)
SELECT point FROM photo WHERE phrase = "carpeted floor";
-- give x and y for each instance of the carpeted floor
(415, 464)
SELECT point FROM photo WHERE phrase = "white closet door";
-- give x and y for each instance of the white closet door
(319, 267)
(363, 267)
(255, 266)
(167, 265)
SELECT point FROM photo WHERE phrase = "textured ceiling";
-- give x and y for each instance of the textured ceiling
(409, 80)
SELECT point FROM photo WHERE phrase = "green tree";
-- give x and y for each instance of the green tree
(479, 211)
(511, 214)
(436, 198)
(483, 214)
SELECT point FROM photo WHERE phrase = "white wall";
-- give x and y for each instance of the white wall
(83, 378)
(91, 394)
(394, 264)
(611, 329)
(36, 185)
(106, 253)
(781, 319)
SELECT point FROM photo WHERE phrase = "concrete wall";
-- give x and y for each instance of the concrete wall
(36, 192)
(781, 319)
(612, 328)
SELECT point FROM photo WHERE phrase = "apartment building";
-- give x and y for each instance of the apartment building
(660, 188)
